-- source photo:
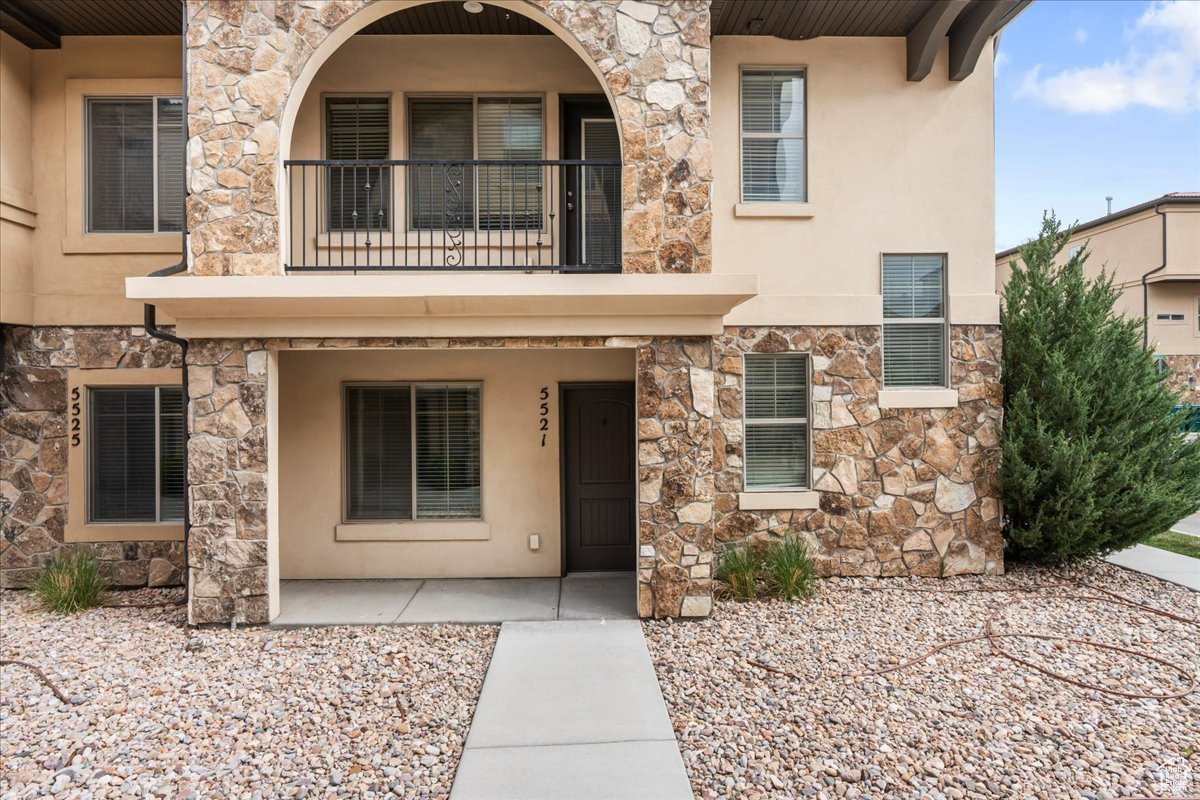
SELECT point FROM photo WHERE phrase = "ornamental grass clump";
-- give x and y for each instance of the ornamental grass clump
(70, 582)
(780, 568)
(737, 568)
(788, 570)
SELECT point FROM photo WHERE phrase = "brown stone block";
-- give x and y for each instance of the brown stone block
(669, 585)
(848, 441)
(34, 388)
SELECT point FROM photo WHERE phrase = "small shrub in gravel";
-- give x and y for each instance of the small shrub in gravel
(789, 570)
(780, 568)
(737, 569)
(70, 582)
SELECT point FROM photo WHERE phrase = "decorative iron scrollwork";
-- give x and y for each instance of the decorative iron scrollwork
(453, 208)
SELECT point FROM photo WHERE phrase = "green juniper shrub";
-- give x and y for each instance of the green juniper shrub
(737, 568)
(789, 570)
(1092, 456)
(70, 582)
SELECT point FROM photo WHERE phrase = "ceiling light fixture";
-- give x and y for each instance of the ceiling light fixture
(473, 7)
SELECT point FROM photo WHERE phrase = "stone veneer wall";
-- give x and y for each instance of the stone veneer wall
(228, 469)
(1183, 375)
(33, 450)
(902, 491)
(244, 57)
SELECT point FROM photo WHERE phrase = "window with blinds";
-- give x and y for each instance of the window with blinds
(775, 390)
(135, 165)
(773, 136)
(358, 128)
(136, 458)
(484, 197)
(412, 452)
(914, 321)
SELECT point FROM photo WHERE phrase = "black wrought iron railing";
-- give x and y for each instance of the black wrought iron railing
(387, 216)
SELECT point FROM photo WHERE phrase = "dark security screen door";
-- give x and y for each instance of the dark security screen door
(599, 477)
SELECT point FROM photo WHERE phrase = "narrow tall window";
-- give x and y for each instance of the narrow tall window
(776, 421)
(136, 466)
(491, 196)
(773, 136)
(358, 129)
(135, 165)
(389, 429)
(914, 321)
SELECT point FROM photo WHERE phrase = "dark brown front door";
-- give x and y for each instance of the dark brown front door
(599, 477)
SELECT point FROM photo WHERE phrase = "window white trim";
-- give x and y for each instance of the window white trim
(943, 321)
(748, 423)
(743, 203)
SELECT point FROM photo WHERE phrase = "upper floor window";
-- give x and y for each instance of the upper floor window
(773, 131)
(135, 451)
(776, 421)
(488, 196)
(135, 165)
(358, 128)
(914, 321)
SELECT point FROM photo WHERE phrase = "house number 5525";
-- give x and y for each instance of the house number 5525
(544, 413)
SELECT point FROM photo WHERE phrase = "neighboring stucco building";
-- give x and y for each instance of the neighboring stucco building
(1152, 250)
(553, 286)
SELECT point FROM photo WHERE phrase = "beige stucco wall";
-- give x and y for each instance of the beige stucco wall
(79, 279)
(1129, 247)
(403, 66)
(893, 167)
(520, 492)
(18, 207)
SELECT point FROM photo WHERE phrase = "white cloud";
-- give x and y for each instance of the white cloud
(1167, 78)
(1081, 35)
(1001, 59)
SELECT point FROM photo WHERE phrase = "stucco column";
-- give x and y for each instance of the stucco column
(227, 477)
(675, 400)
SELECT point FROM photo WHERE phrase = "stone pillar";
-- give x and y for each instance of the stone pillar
(227, 481)
(244, 60)
(675, 478)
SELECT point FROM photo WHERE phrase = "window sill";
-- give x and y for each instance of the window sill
(422, 531)
(918, 398)
(122, 532)
(775, 501)
(778, 210)
(167, 243)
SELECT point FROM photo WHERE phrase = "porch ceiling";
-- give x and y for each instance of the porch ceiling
(447, 305)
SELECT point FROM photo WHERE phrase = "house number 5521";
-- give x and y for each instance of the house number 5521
(544, 413)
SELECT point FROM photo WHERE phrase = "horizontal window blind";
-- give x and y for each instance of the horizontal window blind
(914, 329)
(510, 129)
(171, 490)
(378, 452)
(120, 154)
(448, 485)
(170, 164)
(773, 136)
(121, 469)
(776, 420)
(440, 197)
(358, 128)
(600, 192)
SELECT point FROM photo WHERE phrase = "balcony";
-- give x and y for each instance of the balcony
(364, 216)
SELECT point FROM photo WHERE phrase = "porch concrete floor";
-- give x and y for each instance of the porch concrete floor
(582, 596)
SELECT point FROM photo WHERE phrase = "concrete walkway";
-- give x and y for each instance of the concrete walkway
(1161, 564)
(1189, 525)
(470, 601)
(571, 711)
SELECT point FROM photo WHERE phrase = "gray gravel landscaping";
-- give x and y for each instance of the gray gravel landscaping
(772, 700)
(257, 712)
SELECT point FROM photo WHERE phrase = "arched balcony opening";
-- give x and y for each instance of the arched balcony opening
(449, 136)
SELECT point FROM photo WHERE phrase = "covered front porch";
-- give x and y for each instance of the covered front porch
(577, 596)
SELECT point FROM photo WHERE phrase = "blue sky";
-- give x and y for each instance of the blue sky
(1095, 98)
